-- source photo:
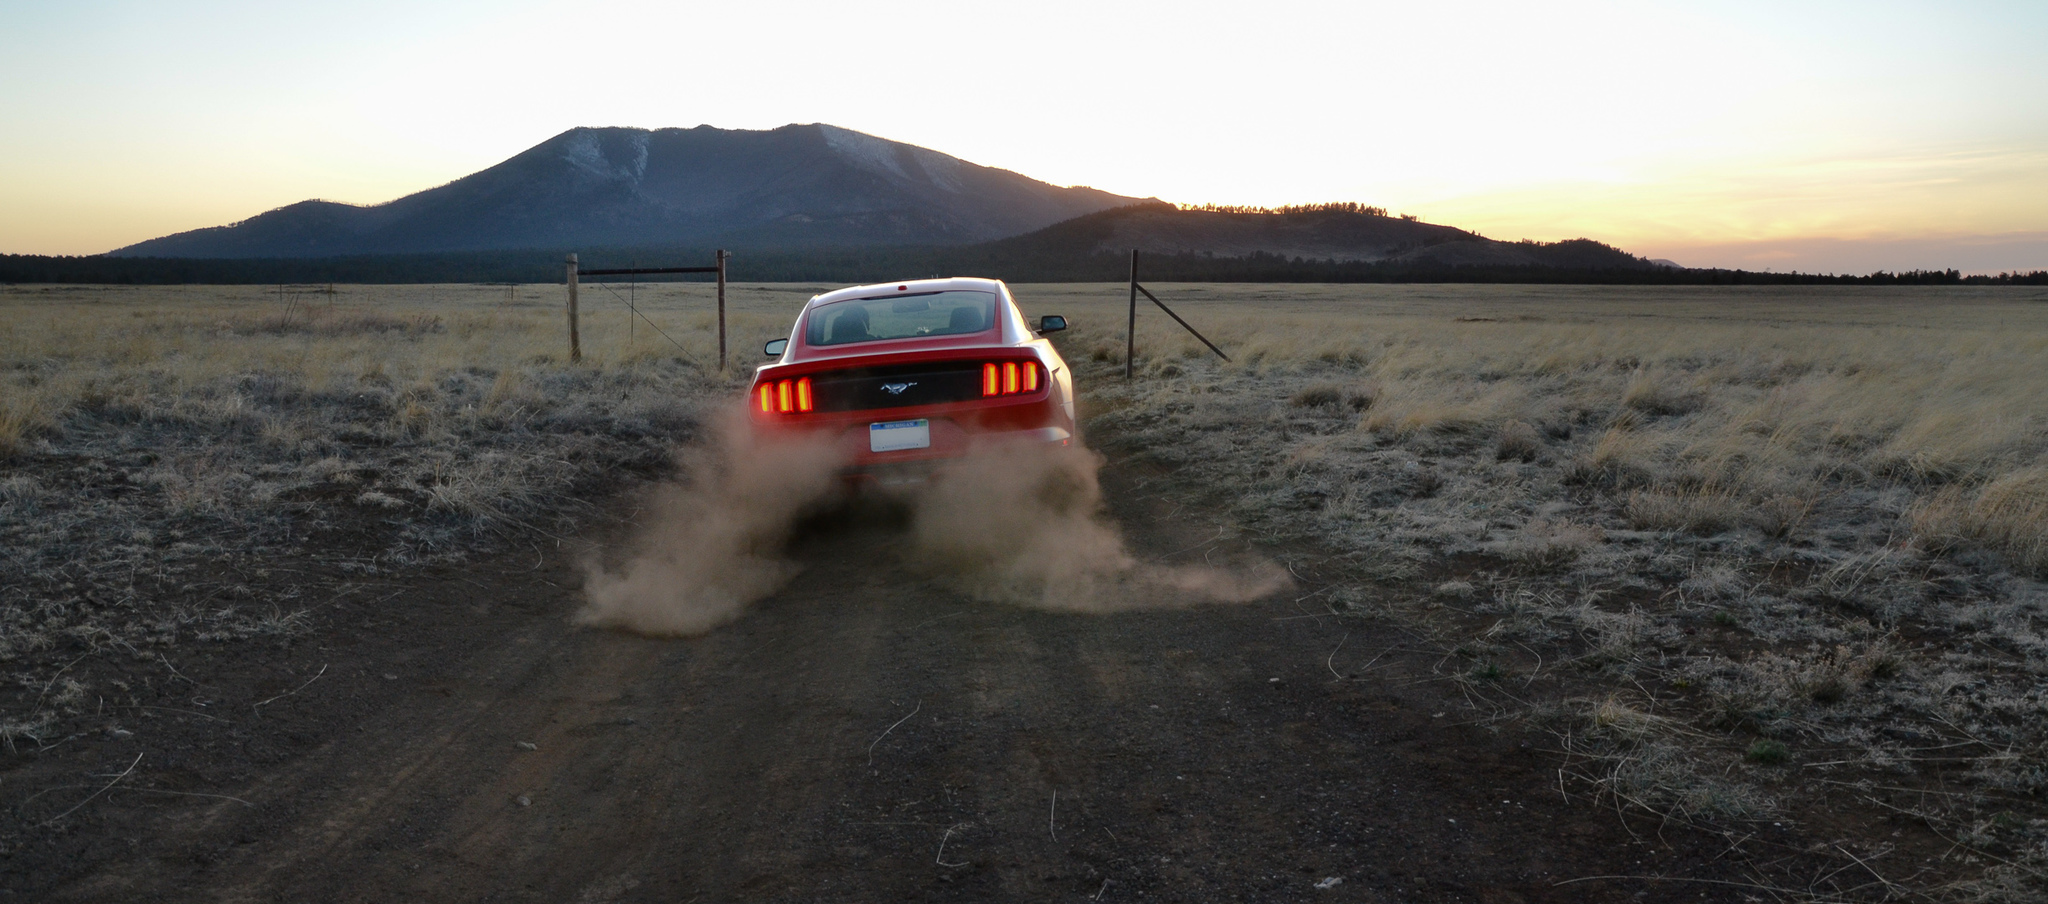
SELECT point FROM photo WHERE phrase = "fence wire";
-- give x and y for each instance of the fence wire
(635, 309)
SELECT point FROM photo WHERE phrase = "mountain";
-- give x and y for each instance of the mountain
(798, 186)
(1342, 233)
(817, 189)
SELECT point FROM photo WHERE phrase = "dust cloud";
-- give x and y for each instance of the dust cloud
(1025, 524)
(1020, 524)
(708, 547)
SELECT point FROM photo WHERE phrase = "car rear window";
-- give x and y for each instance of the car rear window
(903, 316)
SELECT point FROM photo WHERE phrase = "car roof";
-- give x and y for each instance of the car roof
(1011, 328)
(905, 287)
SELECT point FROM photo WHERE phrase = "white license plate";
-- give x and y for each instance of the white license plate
(893, 436)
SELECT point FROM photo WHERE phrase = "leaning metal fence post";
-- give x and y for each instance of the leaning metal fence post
(1131, 321)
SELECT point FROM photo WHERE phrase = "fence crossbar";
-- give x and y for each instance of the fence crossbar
(574, 273)
(637, 271)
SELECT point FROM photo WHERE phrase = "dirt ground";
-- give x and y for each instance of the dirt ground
(864, 734)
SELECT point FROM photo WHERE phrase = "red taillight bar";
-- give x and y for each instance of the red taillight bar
(997, 379)
(1009, 378)
(787, 397)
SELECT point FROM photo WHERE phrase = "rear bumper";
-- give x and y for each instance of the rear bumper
(955, 431)
(948, 441)
(889, 470)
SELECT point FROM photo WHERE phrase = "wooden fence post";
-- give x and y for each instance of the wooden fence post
(721, 309)
(575, 343)
(1131, 324)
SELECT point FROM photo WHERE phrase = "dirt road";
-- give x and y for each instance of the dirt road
(863, 735)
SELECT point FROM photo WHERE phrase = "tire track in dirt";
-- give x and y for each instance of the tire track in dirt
(869, 733)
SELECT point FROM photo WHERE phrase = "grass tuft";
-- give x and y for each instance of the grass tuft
(1767, 752)
(1318, 395)
(1704, 511)
(1659, 394)
(2009, 514)
(1519, 441)
(20, 418)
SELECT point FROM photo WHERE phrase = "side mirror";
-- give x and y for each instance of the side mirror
(1051, 323)
(776, 347)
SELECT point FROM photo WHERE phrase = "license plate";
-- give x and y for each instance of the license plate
(893, 436)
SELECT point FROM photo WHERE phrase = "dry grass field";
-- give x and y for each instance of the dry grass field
(1748, 553)
(1770, 554)
(162, 448)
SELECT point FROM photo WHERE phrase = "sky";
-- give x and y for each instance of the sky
(1822, 137)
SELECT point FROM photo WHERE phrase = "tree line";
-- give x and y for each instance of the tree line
(1325, 207)
(1016, 262)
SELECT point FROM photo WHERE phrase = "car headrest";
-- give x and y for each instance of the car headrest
(966, 320)
(850, 326)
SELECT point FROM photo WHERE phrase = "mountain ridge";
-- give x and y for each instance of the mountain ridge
(799, 185)
(818, 188)
(1336, 233)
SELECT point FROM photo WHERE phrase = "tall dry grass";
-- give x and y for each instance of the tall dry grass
(63, 346)
(1724, 400)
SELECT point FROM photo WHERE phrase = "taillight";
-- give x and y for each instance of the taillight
(1009, 378)
(787, 396)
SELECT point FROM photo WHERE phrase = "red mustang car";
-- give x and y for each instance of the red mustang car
(901, 374)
